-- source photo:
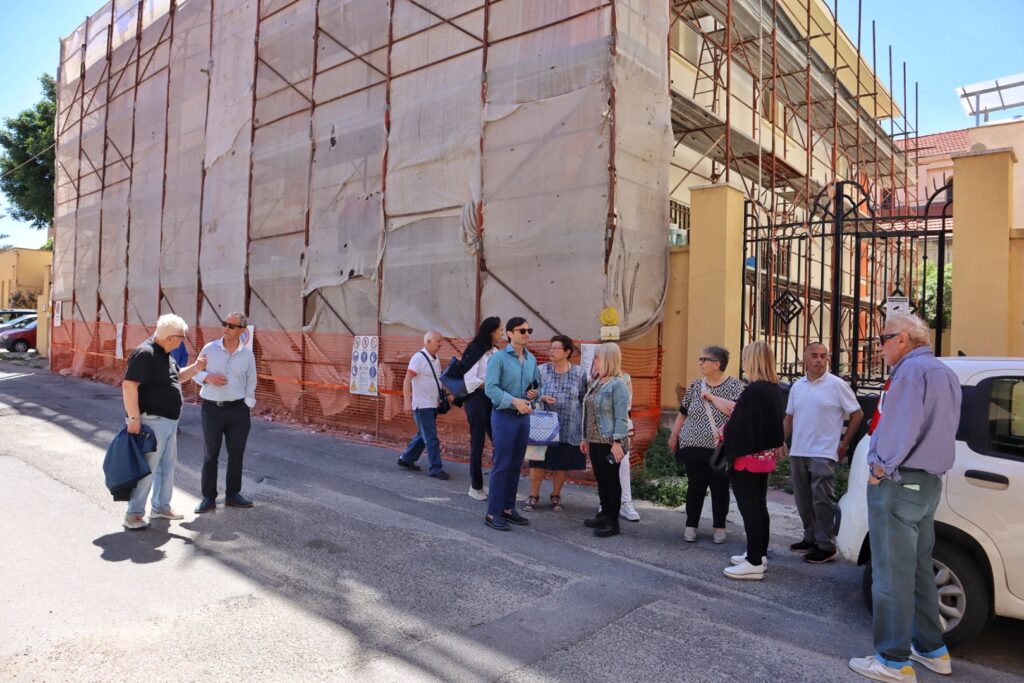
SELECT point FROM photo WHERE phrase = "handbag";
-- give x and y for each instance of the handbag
(443, 404)
(456, 386)
(719, 463)
(544, 430)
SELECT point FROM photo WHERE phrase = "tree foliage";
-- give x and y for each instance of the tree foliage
(29, 189)
(931, 290)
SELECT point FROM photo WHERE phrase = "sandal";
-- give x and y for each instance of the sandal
(531, 503)
(556, 503)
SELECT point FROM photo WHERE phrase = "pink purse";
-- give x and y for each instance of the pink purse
(762, 462)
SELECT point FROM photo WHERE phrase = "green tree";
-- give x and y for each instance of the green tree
(27, 159)
(930, 294)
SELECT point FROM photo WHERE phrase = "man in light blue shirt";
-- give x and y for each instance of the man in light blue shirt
(913, 443)
(512, 382)
(228, 394)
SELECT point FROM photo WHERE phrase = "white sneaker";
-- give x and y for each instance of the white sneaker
(870, 667)
(690, 534)
(477, 494)
(718, 536)
(745, 571)
(629, 513)
(943, 664)
(740, 559)
(134, 522)
(169, 513)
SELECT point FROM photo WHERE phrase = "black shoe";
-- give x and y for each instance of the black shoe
(237, 501)
(819, 556)
(409, 465)
(498, 524)
(595, 522)
(605, 531)
(802, 547)
(515, 518)
(442, 475)
(205, 505)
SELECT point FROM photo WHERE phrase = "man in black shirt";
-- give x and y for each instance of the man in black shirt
(152, 397)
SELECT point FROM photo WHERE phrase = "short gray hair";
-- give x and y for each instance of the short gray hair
(169, 324)
(915, 328)
(720, 354)
(241, 318)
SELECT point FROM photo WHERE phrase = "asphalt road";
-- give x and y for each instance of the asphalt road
(349, 568)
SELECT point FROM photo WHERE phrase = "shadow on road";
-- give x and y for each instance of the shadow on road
(143, 546)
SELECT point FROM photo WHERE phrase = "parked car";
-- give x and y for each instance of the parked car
(19, 335)
(9, 314)
(979, 525)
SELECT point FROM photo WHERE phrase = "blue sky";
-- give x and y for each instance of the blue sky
(946, 43)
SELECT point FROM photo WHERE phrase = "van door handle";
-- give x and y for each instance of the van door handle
(988, 480)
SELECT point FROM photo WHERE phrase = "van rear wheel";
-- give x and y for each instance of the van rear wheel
(964, 601)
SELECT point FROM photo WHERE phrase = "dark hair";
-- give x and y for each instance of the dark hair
(487, 328)
(565, 342)
(513, 323)
(720, 354)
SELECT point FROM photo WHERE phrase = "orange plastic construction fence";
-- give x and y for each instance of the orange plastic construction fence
(303, 379)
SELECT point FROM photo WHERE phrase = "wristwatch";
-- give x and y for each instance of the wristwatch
(130, 419)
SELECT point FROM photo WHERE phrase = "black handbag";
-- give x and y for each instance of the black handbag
(443, 404)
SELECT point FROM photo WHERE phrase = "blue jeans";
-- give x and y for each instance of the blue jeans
(161, 463)
(426, 437)
(901, 526)
(509, 433)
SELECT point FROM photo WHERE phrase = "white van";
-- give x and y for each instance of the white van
(979, 524)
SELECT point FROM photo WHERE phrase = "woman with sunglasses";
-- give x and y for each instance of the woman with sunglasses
(476, 404)
(705, 407)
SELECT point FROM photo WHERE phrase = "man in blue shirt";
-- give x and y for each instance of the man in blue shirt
(228, 394)
(512, 383)
(913, 443)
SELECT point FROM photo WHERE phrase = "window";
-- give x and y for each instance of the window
(1006, 416)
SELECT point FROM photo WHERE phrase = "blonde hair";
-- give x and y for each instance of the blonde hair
(758, 362)
(611, 359)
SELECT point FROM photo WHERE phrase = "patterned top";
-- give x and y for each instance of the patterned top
(567, 388)
(697, 431)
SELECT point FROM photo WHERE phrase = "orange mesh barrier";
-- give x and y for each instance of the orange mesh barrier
(303, 380)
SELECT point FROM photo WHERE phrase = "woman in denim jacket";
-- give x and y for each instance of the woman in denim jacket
(605, 426)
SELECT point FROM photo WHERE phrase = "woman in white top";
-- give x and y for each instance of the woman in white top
(476, 404)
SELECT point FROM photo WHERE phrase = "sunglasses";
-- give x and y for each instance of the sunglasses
(705, 359)
(882, 338)
(232, 326)
(524, 330)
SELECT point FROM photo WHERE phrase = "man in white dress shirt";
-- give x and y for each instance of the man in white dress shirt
(228, 394)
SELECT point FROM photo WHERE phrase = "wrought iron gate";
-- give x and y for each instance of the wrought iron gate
(830, 278)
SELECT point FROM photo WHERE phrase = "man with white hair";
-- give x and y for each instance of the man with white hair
(913, 441)
(228, 394)
(422, 391)
(152, 396)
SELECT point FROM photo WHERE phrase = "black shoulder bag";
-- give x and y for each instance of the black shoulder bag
(443, 405)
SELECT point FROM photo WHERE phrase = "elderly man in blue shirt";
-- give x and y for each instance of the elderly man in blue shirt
(228, 394)
(512, 383)
(913, 443)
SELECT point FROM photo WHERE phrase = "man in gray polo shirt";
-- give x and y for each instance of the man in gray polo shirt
(818, 403)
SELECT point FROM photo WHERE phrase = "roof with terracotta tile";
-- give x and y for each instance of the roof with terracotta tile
(938, 144)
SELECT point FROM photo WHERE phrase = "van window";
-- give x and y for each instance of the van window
(1006, 416)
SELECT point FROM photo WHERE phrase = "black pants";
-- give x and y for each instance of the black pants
(230, 424)
(699, 475)
(609, 488)
(478, 414)
(751, 491)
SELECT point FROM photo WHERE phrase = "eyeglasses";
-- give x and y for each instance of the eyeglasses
(882, 338)
(705, 359)
(232, 326)
(524, 330)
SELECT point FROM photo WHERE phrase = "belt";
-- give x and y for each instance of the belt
(509, 411)
(224, 404)
(910, 469)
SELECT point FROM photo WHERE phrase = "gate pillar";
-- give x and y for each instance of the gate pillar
(714, 312)
(982, 220)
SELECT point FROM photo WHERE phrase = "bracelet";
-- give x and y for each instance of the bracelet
(130, 419)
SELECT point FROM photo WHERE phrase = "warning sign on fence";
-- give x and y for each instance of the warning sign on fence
(363, 380)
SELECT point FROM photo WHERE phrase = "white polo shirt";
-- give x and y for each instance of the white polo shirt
(818, 409)
(424, 387)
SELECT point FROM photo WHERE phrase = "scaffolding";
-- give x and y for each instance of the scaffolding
(335, 168)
